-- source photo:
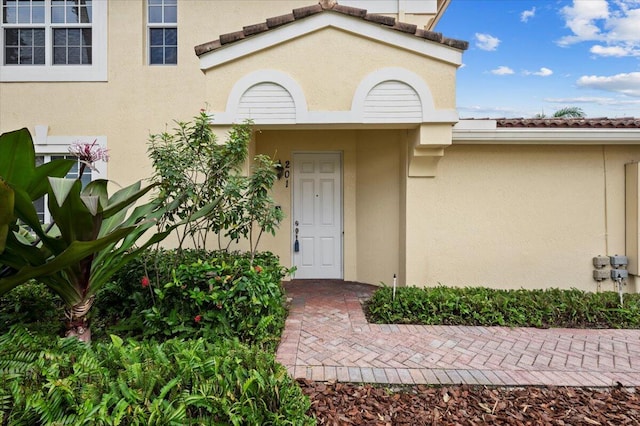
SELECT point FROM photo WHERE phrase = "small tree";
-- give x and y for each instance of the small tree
(192, 170)
(92, 235)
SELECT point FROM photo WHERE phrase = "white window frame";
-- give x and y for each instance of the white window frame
(160, 25)
(96, 71)
(47, 146)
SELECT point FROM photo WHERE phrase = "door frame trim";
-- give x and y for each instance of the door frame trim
(341, 200)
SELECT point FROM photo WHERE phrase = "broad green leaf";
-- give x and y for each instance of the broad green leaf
(56, 168)
(61, 188)
(116, 205)
(17, 254)
(6, 212)
(73, 218)
(17, 158)
(91, 202)
(120, 199)
(26, 212)
(98, 188)
(77, 251)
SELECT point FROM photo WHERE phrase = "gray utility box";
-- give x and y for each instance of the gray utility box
(600, 261)
(601, 274)
(618, 261)
(619, 274)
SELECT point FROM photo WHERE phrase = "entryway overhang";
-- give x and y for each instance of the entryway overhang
(390, 97)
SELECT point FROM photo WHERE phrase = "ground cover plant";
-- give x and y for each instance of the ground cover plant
(63, 381)
(188, 358)
(514, 308)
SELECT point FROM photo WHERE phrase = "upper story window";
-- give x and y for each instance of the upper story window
(53, 40)
(162, 21)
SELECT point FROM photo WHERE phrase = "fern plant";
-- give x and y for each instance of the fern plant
(64, 382)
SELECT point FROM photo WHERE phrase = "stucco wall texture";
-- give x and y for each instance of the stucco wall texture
(504, 216)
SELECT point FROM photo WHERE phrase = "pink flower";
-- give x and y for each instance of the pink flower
(145, 282)
(89, 152)
(258, 268)
(197, 318)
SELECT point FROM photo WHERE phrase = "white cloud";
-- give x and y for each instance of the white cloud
(487, 42)
(502, 70)
(543, 72)
(612, 23)
(528, 14)
(626, 83)
(581, 20)
(618, 51)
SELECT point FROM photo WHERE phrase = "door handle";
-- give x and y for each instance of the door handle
(296, 244)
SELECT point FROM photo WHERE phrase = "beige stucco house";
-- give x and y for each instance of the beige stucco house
(357, 101)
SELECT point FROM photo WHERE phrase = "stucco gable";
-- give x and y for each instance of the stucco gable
(301, 21)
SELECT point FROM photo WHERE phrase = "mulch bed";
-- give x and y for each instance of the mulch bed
(352, 404)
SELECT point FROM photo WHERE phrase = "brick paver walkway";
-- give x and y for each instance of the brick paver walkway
(328, 338)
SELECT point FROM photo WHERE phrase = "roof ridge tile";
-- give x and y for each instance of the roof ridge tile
(351, 11)
(569, 122)
(389, 21)
(330, 6)
(303, 12)
(277, 21)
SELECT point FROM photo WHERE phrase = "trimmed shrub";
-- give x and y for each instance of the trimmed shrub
(172, 383)
(197, 294)
(514, 308)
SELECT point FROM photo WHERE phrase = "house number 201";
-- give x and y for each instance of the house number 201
(287, 173)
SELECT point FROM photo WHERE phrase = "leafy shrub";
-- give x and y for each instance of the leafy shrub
(119, 305)
(172, 383)
(513, 308)
(198, 294)
(34, 305)
(194, 170)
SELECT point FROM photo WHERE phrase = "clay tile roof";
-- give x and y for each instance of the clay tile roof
(575, 123)
(333, 6)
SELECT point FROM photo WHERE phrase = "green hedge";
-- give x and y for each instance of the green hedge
(515, 308)
(195, 294)
(66, 382)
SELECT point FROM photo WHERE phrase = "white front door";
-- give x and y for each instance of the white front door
(317, 215)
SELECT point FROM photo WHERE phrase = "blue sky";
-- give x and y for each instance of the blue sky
(527, 57)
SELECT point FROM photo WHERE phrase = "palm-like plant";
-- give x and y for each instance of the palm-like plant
(92, 235)
(569, 112)
(566, 112)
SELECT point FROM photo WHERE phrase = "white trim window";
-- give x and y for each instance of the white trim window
(162, 35)
(53, 40)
